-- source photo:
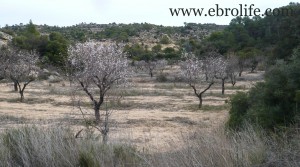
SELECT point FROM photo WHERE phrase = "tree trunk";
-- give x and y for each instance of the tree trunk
(15, 86)
(151, 73)
(240, 73)
(233, 83)
(200, 101)
(232, 79)
(105, 129)
(97, 109)
(252, 69)
(22, 95)
(21, 90)
(97, 113)
(104, 138)
(199, 95)
(223, 86)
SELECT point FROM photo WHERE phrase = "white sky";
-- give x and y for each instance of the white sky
(71, 12)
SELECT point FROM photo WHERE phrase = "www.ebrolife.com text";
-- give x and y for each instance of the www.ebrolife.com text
(240, 10)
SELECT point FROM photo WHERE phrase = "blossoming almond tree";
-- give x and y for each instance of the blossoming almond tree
(232, 69)
(150, 66)
(199, 74)
(221, 71)
(21, 68)
(101, 66)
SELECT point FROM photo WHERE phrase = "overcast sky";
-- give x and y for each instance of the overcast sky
(71, 12)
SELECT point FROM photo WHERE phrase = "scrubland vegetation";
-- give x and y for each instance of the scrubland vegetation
(147, 95)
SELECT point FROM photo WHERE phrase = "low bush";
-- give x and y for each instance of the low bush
(161, 78)
(239, 106)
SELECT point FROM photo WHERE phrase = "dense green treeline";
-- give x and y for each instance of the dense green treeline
(275, 36)
(117, 32)
(274, 102)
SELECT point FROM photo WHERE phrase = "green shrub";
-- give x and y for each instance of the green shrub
(239, 105)
(165, 39)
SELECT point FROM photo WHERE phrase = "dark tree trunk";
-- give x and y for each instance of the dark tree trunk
(233, 83)
(223, 86)
(252, 69)
(254, 65)
(151, 73)
(105, 129)
(97, 104)
(97, 109)
(97, 113)
(232, 79)
(104, 138)
(22, 95)
(241, 65)
(200, 101)
(199, 95)
(21, 90)
(15, 86)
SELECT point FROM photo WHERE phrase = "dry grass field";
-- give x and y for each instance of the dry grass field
(150, 114)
